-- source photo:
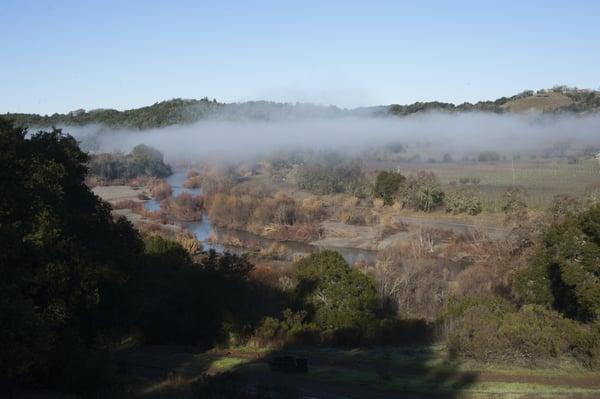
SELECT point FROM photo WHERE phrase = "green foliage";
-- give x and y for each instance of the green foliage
(64, 261)
(491, 329)
(463, 201)
(422, 191)
(177, 300)
(342, 177)
(565, 273)
(292, 328)
(335, 295)
(142, 161)
(387, 185)
(172, 112)
(488, 106)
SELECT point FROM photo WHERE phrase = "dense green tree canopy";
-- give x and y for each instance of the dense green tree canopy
(337, 296)
(63, 258)
(565, 274)
(387, 185)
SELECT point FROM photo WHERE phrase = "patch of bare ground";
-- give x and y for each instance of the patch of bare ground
(117, 193)
(337, 234)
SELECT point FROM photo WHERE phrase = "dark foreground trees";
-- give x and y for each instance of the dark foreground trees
(63, 259)
(74, 280)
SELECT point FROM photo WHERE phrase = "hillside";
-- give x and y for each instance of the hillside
(181, 111)
(543, 102)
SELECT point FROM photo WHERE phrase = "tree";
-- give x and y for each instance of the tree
(64, 261)
(422, 191)
(143, 160)
(488, 156)
(565, 273)
(337, 295)
(387, 185)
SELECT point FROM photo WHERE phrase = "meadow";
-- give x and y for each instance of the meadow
(379, 372)
(542, 179)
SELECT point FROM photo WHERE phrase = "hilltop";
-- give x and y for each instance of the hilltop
(184, 111)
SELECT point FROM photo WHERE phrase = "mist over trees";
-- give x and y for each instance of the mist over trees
(143, 160)
(186, 111)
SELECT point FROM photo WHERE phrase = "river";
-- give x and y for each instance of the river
(203, 229)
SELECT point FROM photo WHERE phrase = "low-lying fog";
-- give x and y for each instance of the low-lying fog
(458, 134)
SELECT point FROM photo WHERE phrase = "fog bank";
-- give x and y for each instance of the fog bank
(456, 133)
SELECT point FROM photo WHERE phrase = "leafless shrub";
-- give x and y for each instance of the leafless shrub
(161, 190)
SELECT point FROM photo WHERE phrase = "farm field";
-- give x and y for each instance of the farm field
(542, 179)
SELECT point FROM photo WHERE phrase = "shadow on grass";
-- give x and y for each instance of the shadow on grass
(425, 371)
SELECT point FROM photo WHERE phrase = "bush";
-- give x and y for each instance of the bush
(491, 329)
(291, 329)
(184, 207)
(193, 182)
(463, 202)
(337, 295)
(161, 191)
(565, 272)
(387, 185)
(422, 191)
(345, 177)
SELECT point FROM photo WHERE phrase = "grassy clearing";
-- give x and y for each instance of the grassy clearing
(542, 178)
(430, 371)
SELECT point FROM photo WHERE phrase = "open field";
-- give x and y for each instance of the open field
(422, 372)
(543, 179)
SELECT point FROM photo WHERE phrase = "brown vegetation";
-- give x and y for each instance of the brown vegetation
(279, 217)
(184, 207)
(193, 182)
(161, 190)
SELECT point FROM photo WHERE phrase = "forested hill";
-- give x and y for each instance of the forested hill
(176, 111)
(180, 111)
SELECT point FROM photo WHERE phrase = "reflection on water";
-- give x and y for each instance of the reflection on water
(203, 229)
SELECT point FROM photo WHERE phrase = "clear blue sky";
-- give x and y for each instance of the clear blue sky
(62, 55)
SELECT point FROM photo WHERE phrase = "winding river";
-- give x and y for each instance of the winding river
(203, 229)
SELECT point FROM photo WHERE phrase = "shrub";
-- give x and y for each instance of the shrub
(463, 202)
(491, 329)
(422, 191)
(387, 185)
(338, 296)
(344, 177)
(161, 191)
(565, 273)
(513, 201)
(193, 182)
(291, 329)
(184, 207)
(192, 173)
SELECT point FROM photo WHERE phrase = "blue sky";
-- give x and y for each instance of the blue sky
(58, 56)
